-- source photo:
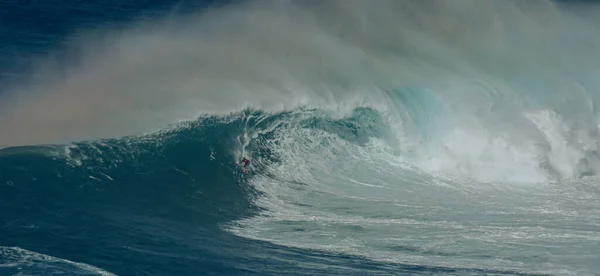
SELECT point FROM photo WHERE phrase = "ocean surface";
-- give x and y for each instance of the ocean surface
(387, 137)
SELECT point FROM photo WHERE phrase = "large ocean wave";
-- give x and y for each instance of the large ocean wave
(431, 134)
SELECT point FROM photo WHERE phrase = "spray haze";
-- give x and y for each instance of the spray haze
(278, 55)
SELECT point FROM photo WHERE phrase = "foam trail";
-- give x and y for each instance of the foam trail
(22, 262)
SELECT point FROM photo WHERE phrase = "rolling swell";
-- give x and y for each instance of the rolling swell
(111, 197)
(156, 204)
(135, 172)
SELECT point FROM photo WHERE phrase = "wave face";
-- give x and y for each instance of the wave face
(386, 137)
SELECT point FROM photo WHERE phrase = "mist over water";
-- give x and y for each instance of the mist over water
(277, 55)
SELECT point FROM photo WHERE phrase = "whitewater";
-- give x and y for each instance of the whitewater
(453, 137)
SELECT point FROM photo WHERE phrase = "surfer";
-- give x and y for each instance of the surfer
(246, 164)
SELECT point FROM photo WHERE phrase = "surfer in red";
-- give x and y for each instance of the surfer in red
(246, 164)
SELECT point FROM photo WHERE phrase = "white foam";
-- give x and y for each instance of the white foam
(22, 261)
(330, 194)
